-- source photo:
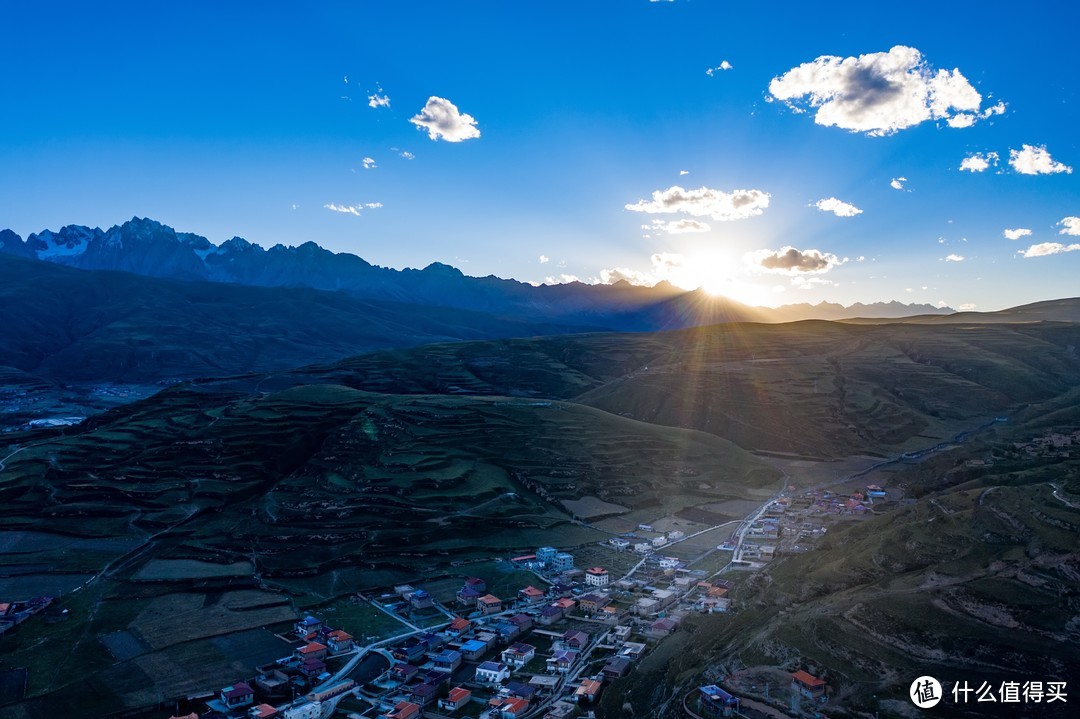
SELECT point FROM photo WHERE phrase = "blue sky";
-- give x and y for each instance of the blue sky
(240, 121)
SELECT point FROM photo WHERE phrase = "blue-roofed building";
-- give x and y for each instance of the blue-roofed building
(716, 702)
(447, 661)
(473, 649)
(420, 599)
(562, 562)
(307, 625)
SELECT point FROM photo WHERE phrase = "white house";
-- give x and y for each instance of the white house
(492, 673)
(596, 577)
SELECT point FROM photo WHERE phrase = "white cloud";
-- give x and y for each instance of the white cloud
(878, 93)
(346, 79)
(544, 259)
(725, 65)
(966, 307)
(1070, 226)
(441, 119)
(677, 227)
(684, 172)
(837, 207)
(977, 162)
(1033, 160)
(897, 183)
(1017, 233)
(348, 209)
(407, 155)
(561, 279)
(369, 163)
(295, 206)
(791, 261)
(665, 266)
(705, 202)
(1048, 248)
(998, 109)
(963, 119)
(378, 99)
(954, 258)
(354, 209)
(620, 274)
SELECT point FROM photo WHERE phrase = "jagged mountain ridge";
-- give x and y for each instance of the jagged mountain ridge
(146, 247)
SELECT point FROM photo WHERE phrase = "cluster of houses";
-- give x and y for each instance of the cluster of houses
(1052, 444)
(714, 701)
(645, 540)
(490, 656)
(12, 614)
(505, 654)
(287, 688)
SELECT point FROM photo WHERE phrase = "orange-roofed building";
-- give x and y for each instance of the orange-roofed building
(808, 685)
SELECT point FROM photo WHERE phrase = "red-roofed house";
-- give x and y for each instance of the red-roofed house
(403, 710)
(237, 695)
(314, 650)
(588, 692)
(458, 697)
(510, 707)
(339, 641)
(596, 577)
(531, 595)
(458, 627)
(489, 604)
(808, 685)
(262, 711)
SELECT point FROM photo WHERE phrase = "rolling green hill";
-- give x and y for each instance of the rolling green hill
(306, 485)
(814, 388)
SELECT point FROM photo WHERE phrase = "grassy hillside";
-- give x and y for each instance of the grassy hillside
(299, 497)
(813, 388)
(978, 579)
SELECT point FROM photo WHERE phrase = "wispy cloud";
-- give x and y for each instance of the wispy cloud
(443, 121)
(978, 162)
(809, 283)
(544, 259)
(705, 202)
(791, 261)
(897, 183)
(1069, 226)
(368, 163)
(1016, 234)
(1032, 160)
(1044, 249)
(676, 227)
(356, 209)
(837, 207)
(878, 93)
(954, 258)
(725, 65)
(966, 307)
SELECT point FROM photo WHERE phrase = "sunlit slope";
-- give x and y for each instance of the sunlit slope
(814, 388)
(978, 578)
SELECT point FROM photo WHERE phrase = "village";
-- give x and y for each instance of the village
(551, 649)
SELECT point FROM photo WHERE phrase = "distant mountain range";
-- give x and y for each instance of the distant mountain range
(149, 248)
